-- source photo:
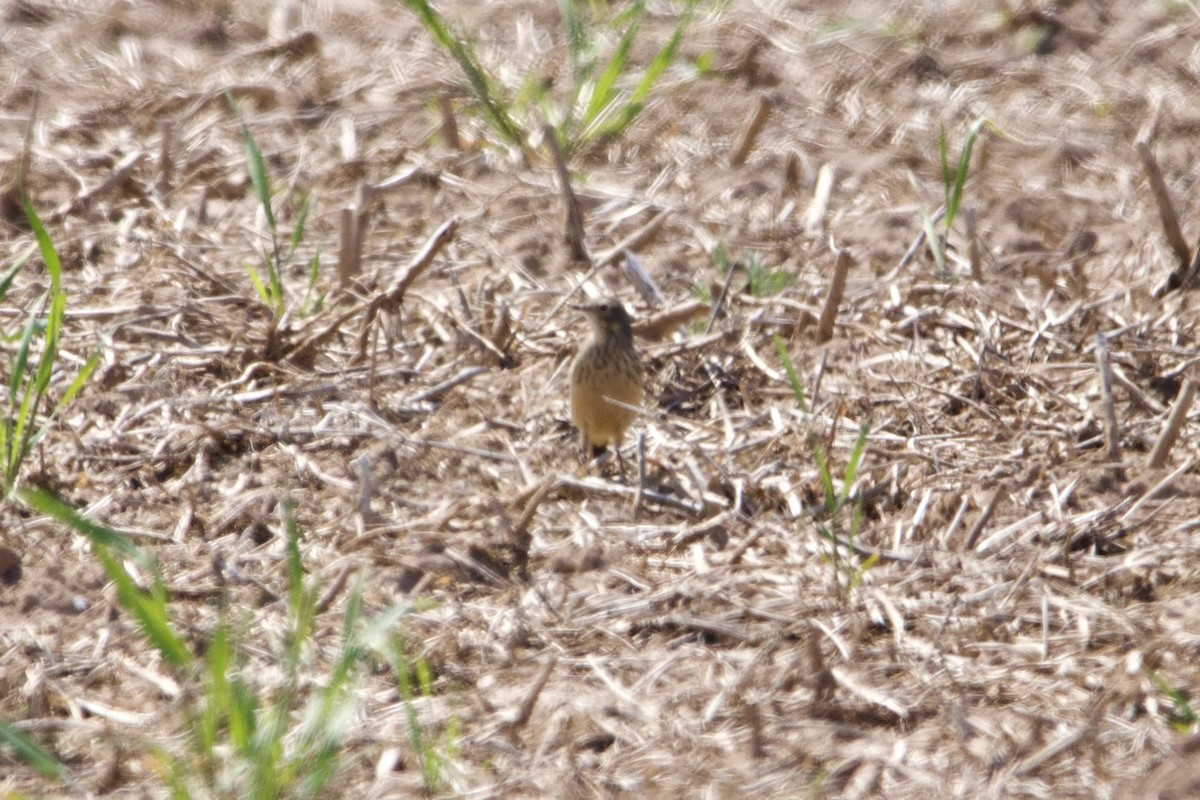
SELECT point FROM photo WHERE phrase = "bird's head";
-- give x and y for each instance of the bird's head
(608, 319)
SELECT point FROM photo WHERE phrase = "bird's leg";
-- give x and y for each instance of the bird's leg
(621, 463)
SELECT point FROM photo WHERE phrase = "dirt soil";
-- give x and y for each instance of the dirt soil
(1012, 614)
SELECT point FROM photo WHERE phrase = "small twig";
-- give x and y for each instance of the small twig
(735, 557)
(573, 220)
(814, 219)
(1173, 425)
(657, 326)
(974, 257)
(435, 392)
(750, 132)
(1112, 434)
(166, 164)
(599, 487)
(867, 552)
(977, 384)
(393, 296)
(990, 509)
(721, 298)
(520, 528)
(791, 174)
(913, 249)
(753, 718)
(117, 177)
(525, 710)
(1135, 392)
(348, 252)
(642, 281)
(636, 240)
(816, 391)
(335, 588)
(1155, 491)
(1166, 209)
(833, 298)
(1180, 278)
(449, 129)
(641, 477)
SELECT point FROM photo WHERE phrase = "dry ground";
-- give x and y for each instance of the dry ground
(1015, 639)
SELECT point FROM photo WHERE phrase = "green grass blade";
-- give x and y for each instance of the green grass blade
(51, 506)
(21, 360)
(218, 658)
(22, 432)
(298, 230)
(583, 64)
(577, 42)
(254, 160)
(243, 714)
(932, 240)
(295, 561)
(74, 389)
(302, 601)
(260, 287)
(149, 608)
(954, 200)
(6, 434)
(7, 281)
(826, 478)
(310, 306)
(856, 456)
(275, 288)
(58, 307)
(604, 93)
(77, 385)
(633, 107)
(944, 153)
(49, 254)
(481, 84)
(790, 369)
(32, 753)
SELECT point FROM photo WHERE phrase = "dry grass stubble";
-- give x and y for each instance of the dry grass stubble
(1008, 641)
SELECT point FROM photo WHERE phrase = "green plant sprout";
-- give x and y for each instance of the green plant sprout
(792, 376)
(1185, 718)
(954, 179)
(851, 571)
(241, 740)
(761, 280)
(605, 95)
(27, 384)
(270, 289)
(432, 755)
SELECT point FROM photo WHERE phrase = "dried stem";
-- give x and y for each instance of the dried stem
(1173, 425)
(833, 298)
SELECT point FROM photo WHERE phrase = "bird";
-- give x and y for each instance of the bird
(606, 379)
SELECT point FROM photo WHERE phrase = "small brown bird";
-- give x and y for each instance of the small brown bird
(606, 378)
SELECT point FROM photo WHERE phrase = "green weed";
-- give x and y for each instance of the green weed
(1184, 718)
(31, 374)
(432, 755)
(607, 92)
(954, 179)
(846, 563)
(32, 753)
(269, 282)
(790, 369)
(241, 740)
(761, 280)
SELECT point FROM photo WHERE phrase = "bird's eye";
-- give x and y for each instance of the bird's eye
(605, 307)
